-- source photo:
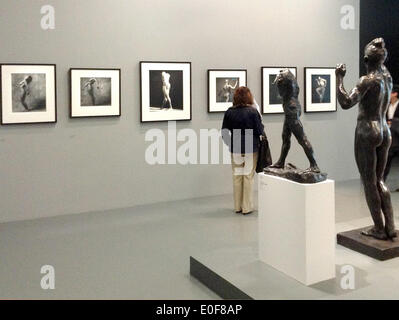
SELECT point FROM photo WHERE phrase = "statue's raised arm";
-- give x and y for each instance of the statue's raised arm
(348, 100)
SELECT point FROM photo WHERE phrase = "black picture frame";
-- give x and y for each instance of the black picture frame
(141, 89)
(119, 114)
(209, 71)
(332, 90)
(263, 95)
(2, 95)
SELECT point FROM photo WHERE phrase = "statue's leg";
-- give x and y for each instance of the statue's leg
(285, 146)
(366, 159)
(386, 204)
(299, 133)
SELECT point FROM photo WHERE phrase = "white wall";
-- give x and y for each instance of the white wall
(80, 165)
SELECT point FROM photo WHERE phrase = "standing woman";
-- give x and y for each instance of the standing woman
(241, 131)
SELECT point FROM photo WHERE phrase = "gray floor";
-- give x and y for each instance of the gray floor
(137, 253)
(241, 267)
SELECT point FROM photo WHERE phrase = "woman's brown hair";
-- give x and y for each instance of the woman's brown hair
(243, 97)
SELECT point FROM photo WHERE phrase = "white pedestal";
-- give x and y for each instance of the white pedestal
(297, 228)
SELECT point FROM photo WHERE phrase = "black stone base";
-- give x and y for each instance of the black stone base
(293, 173)
(377, 249)
(215, 282)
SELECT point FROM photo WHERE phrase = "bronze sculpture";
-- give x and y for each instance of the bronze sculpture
(289, 90)
(372, 137)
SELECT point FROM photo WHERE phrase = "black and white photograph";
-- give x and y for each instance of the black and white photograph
(320, 94)
(321, 85)
(165, 91)
(225, 88)
(274, 95)
(28, 93)
(95, 92)
(271, 99)
(222, 84)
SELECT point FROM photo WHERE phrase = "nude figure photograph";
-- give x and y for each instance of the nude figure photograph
(166, 90)
(222, 84)
(95, 91)
(225, 89)
(28, 92)
(272, 101)
(320, 93)
(321, 88)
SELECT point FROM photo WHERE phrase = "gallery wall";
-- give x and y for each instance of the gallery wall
(81, 165)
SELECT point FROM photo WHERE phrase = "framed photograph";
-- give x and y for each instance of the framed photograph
(221, 87)
(165, 89)
(28, 93)
(271, 100)
(320, 94)
(95, 92)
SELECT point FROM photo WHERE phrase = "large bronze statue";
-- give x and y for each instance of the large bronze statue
(372, 137)
(289, 90)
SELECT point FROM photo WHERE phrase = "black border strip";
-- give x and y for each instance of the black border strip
(215, 282)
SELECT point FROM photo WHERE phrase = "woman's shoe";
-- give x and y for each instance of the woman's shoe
(239, 211)
(245, 213)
